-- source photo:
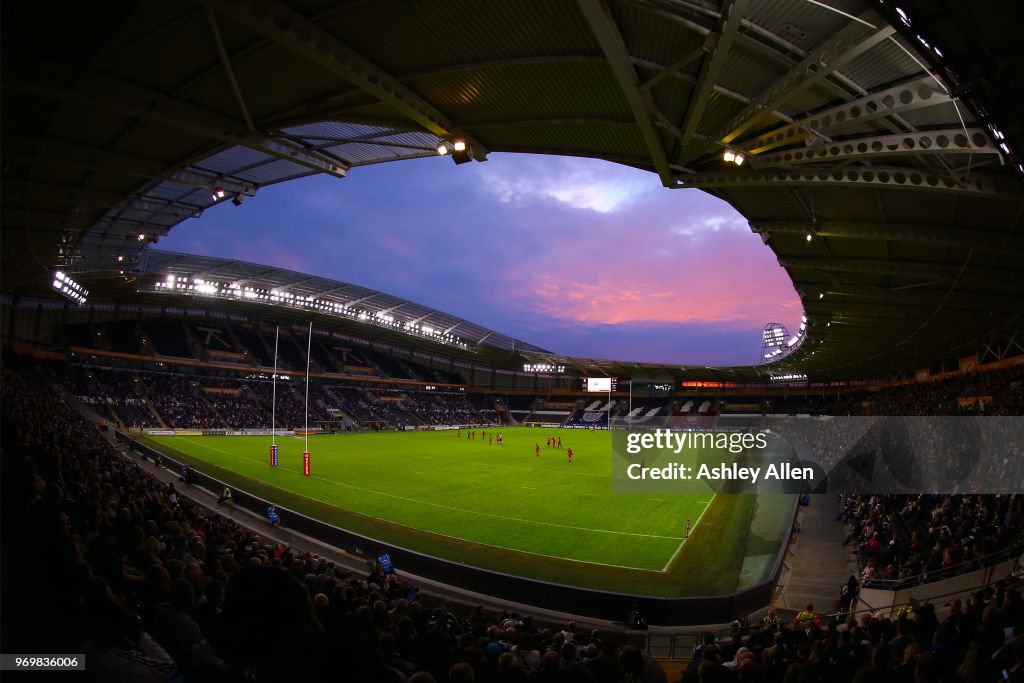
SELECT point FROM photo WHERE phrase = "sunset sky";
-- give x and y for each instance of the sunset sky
(578, 256)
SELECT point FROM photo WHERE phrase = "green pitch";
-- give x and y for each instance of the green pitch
(501, 507)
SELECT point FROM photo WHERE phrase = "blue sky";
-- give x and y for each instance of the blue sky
(579, 256)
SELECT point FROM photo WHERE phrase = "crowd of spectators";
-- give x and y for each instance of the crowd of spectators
(238, 410)
(976, 642)
(903, 540)
(1005, 388)
(436, 408)
(120, 395)
(290, 409)
(186, 401)
(179, 401)
(102, 558)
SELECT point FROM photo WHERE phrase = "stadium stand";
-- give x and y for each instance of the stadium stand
(595, 413)
(120, 554)
(255, 345)
(883, 143)
(998, 392)
(520, 407)
(169, 338)
(122, 558)
(906, 540)
(644, 410)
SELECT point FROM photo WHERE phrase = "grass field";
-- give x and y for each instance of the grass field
(501, 507)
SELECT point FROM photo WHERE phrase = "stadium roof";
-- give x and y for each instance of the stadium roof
(158, 265)
(889, 133)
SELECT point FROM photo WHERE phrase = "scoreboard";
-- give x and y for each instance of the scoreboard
(600, 384)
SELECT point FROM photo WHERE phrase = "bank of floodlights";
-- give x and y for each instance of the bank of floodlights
(64, 285)
(732, 156)
(190, 286)
(459, 149)
(789, 378)
(544, 368)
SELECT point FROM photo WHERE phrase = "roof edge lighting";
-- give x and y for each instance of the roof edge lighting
(233, 291)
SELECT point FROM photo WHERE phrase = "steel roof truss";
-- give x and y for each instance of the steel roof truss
(918, 233)
(851, 42)
(918, 94)
(732, 12)
(948, 141)
(882, 177)
(640, 102)
(304, 36)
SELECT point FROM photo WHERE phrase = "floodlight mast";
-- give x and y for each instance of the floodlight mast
(774, 343)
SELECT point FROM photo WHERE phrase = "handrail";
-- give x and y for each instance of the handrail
(724, 633)
(946, 572)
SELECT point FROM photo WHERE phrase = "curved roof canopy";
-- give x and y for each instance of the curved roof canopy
(165, 272)
(879, 140)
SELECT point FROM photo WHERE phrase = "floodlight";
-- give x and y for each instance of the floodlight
(462, 152)
(732, 156)
(64, 285)
(141, 237)
(218, 193)
(442, 149)
(821, 295)
(237, 199)
(810, 237)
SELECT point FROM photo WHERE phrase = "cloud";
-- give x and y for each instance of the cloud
(567, 254)
(578, 183)
(709, 224)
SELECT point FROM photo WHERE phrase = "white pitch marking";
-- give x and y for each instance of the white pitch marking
(443, 507)
(673, 558)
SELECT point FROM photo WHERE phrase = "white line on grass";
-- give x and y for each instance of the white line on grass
(683, 541)
(575, 473)
(438, 533)
(445, 507)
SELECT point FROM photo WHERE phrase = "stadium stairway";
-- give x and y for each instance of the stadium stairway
(817, 563)
(156, 413)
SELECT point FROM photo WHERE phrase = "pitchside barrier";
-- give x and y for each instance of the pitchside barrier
(573, 600)
(219, 432)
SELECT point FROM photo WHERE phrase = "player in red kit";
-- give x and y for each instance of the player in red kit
(569, 453)
(538, 450)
